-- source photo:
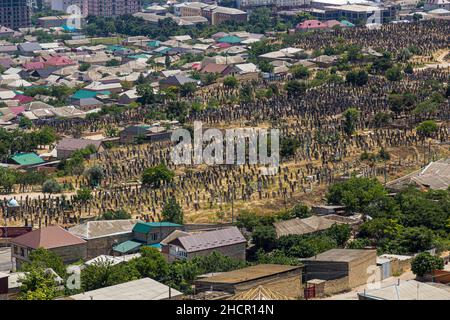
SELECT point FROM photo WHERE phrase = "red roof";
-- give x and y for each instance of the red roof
(34, 65)
(47, 238)
(59, 61)
(223, 45)
(214, 68)
(23, 99)
(311, 24)
(17, 110)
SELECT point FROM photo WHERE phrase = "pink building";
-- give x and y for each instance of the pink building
(113, 8)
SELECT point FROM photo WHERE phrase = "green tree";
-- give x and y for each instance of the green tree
(394, 74)
(340, 233)
(295, 88)
(424, 263)
(116, 215)
(351, 117)
(155, 176)
(151, 264)
(230, 82)
(172, 211)
(427, 128)
(83, 195)
(43, 259)
(51, 186)
(300, 72)
(358, 77)
(37, 284)
(25, 123)
(95, 175)
(360, 195)
(264, 237)
(84, 67)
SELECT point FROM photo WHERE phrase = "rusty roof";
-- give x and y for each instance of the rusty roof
(47, 238)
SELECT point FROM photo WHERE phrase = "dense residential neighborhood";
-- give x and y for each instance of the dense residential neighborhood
(134, 150)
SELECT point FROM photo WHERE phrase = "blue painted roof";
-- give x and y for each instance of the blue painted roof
(86, 94)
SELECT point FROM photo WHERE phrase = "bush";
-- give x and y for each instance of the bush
(425, 263)
(51, 186)
(154, 176)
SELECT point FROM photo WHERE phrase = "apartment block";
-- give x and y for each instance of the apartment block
(15, 14)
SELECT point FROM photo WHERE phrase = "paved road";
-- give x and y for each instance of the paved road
(5, 259)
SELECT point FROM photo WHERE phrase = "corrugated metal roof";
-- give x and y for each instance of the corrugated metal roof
(127, 246)
(146, 227)
(302, 226)
(408, 290)
(27, 159)
(102, 228)
(212, 239)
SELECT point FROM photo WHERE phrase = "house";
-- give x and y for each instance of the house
(27, 159)
(149, 133)
(246, 68)
(54, 238)
(309, 25)
(96, 86)
(67, 146)
(220, 69)
(6, 32)
(154, 232)
(406, 290)
(343, 269)
(102, 235)
(229, 242)
(325, 61)
(142, 289)
(128, 97)
(285, 280)
(435, 176)
(298, 226)
(146, 234)
(28, 48)
(176, 81)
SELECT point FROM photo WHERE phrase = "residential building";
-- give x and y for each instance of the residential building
(15, 14)
(6, 32)
(63, 5)
(215, 14)
(436, 4)
(343, 269)
(154, 232)
(275, 4)
(67, 146)
(229, 242)
(113, 8)
(102, 235)
(407, 290)
(142, 289)
(285, 280)
(67, 246)
(303, 226)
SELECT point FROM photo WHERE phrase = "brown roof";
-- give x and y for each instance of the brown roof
(72, 144)
(47, 238)
(249, 273)
(210, 239)
(214, 68)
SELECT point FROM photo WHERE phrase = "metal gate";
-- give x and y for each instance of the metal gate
(310, 292)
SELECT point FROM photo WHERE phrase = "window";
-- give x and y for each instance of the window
(22, 252)
(154, 236)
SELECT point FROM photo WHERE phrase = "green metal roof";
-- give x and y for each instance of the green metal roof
(114, 47)
(347, 23)
(230, 39)
(154, 43)
(146, 227)
(139, 56)
(27, 159)
(86, 94)
(127, 246)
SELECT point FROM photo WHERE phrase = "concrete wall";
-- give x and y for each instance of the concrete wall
(359, 270)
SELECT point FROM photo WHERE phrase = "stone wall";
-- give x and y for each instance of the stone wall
(361, 269)
(71, 254)
(235, 251)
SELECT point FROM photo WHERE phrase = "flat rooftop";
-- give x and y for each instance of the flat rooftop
(342, 255)
(142, 289)
(249, 273)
